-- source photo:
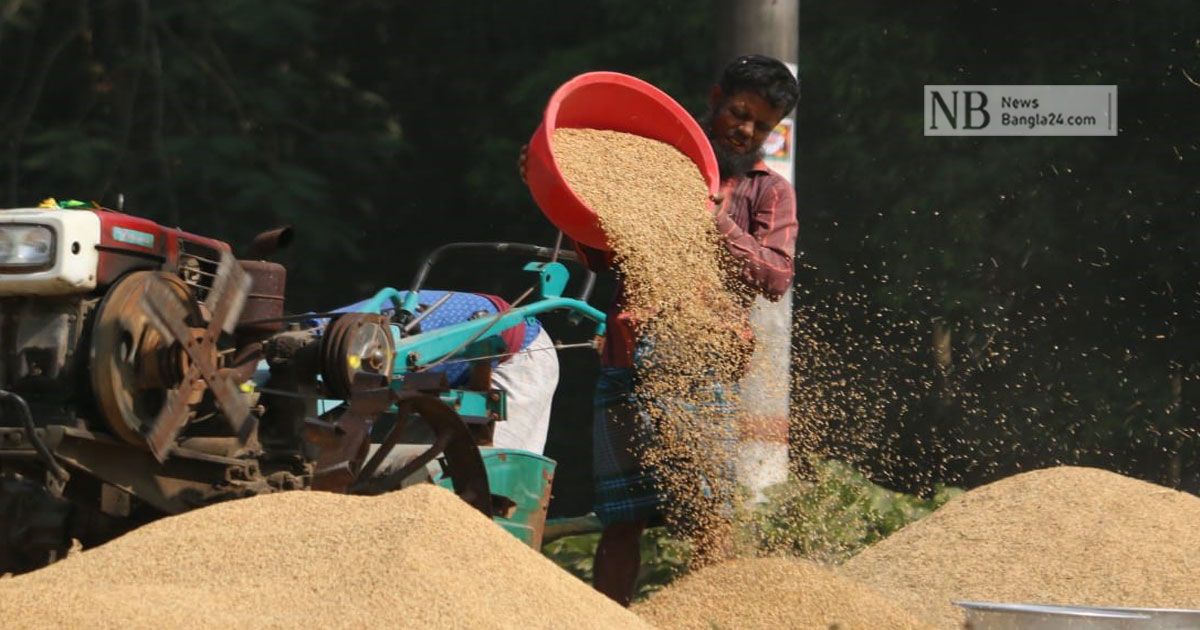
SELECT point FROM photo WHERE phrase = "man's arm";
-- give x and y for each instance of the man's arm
(767, 247)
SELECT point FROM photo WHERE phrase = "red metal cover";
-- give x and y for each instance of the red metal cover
(129, 242)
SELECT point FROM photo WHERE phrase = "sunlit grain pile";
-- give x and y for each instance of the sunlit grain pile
(418, 558)
(1061, 535)
(772, 593)
(652, 203)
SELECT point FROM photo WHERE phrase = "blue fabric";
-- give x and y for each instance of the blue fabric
(456, 310)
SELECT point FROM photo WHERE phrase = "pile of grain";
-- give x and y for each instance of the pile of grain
(416, 558)
(1057, 536)
(772, 593)
(652, 204)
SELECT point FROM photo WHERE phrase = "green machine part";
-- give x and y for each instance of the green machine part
(526, 479)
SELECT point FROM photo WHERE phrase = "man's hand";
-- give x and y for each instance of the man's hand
(718, 200)
(521, 159)
(719, 207)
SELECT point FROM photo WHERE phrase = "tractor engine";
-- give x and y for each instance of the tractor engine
(71, 288)
(115, 336)
(145, 371)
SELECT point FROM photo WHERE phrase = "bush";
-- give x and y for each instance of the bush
(663, 558)
(827, 519)
(830, 517)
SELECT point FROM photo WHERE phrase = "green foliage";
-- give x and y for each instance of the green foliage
(663, 558)
(832, 516)
(828, 518)
(575, 554)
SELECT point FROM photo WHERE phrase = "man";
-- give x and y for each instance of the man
(755, 214)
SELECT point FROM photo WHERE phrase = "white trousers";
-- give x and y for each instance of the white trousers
(528, 379)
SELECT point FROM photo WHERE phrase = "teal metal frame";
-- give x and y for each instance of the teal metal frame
(524, 477)
(480, 336)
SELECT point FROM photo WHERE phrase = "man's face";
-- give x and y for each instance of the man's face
(738, 125)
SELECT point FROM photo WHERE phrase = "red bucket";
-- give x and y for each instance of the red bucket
(611, 101)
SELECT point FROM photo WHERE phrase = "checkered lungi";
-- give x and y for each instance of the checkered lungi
(626, 490)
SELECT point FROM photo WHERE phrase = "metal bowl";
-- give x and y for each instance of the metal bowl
(998, 616)
(1164, 618)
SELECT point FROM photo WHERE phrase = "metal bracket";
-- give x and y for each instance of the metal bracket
(552, 278)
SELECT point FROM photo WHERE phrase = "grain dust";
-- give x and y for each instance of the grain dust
(417, 558)
(772, 593)
(1067, 535)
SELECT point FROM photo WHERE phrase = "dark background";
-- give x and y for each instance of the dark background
(1059, 273)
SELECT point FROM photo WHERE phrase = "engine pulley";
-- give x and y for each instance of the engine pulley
(355, 342)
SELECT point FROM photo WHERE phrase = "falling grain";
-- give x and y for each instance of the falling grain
(653, 206)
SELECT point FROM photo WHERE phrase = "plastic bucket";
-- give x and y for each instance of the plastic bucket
(611, 101)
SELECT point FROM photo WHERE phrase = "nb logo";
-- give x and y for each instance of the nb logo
(1019, 110)
(958, 109)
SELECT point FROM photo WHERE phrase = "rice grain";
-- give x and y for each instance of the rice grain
(417, 558)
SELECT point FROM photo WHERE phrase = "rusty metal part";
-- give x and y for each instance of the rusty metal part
(289, 395)
(264, 303)
(114, 501)
(134, 367)
(462, 462)
(271, 241)
(228, 295)
(169, 314)
(244, 362)
(222, 445)
(429, 382)
(354, 343)
(187, 480)
(481, 381)
(538, 519)
(343, 443)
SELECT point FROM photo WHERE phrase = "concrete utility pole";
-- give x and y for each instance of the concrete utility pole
(768, 27)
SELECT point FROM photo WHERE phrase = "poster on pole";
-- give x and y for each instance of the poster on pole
(779, 149)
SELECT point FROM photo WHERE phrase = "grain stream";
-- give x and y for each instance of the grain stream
(652, 203)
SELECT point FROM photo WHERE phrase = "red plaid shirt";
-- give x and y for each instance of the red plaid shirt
(758, 222)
